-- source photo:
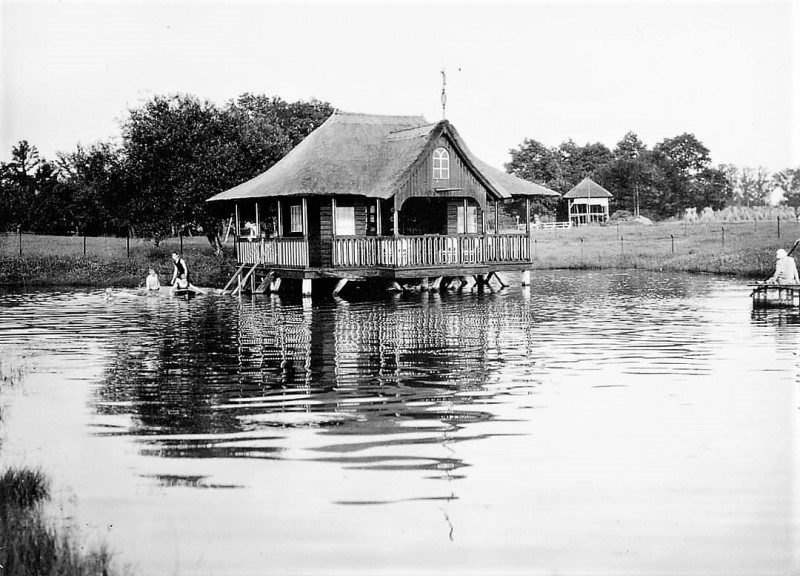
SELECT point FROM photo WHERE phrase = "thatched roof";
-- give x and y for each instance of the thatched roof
(368, 155)
(588, 188)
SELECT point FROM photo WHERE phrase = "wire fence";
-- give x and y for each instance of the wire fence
(665, 238)
(104, 247)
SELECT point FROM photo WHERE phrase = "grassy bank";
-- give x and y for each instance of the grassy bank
(30, 543)
(745, 249)
(101, 262)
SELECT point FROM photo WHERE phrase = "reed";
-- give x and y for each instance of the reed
(30, 542)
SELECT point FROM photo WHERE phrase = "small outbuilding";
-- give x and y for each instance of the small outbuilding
(588, 203)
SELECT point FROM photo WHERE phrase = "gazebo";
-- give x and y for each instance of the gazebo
(588, 203)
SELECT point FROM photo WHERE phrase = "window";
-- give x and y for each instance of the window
(441, 164)
(345, 221)
(471, 226)
(296, 212)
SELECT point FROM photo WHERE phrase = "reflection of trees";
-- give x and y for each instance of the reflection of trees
(166, 376)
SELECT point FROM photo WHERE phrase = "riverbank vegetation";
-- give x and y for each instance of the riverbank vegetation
(34, 260)
(30, 542)
(739, 248)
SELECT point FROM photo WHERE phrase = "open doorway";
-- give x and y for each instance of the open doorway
(421, 216)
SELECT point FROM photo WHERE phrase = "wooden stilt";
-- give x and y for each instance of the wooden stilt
(340, 286)
(275, 285)
(263, 288)
(306, 287)
(423, 284)
(526, 277)
(436, 284)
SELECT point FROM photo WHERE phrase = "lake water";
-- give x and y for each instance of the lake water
(597, 422)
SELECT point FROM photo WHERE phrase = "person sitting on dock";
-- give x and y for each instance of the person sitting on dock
(152, 282)
(785, 269)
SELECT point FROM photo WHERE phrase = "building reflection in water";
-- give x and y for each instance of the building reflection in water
(226, 379)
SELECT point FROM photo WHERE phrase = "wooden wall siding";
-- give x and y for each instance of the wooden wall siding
(421, 182)
(325, 231)
(315, 242)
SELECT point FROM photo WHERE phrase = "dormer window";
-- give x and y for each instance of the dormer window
(441, 164)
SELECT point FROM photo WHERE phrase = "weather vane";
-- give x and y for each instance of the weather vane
(444, 94)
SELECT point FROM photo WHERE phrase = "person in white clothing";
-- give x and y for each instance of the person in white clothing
(785, 269)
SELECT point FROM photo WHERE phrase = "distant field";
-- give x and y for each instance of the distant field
(740, 248)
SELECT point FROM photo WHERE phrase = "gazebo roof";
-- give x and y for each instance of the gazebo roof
(588, 188)
(368, 155)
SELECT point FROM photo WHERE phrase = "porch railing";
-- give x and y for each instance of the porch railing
(289, 252)
(392, 252)
(433, 251)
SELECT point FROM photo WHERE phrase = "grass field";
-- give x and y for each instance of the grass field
(744, 249)
(108, 261)
(736, 248)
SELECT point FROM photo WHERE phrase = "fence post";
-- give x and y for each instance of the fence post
(534, 246)
(672, 239)
(723, 237)
(779, 227)
(621, 244)
(128, 245)
(581, 247)
(180, 235)
(20, 242)
(84, 245)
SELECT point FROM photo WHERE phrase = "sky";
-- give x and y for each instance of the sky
(591, 70)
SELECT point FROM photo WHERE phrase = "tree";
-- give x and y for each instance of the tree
(534, 162)
(180, 150)
(681, 161)
(30, 196)
(746, 190)
(98, 183)
(788, 180)
(763, 185)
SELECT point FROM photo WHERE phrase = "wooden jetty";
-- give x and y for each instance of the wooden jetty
(776, 295)
(393, 199)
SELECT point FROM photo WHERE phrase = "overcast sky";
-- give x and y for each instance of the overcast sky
(728, 72)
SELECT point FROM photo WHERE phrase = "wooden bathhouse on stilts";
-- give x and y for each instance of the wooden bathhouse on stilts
(588, 203)
(378, 197)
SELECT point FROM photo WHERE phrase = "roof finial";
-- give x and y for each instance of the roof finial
(444, 94)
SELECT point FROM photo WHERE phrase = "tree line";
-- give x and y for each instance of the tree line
(152, 181)
(173, 152)
(660, 182)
